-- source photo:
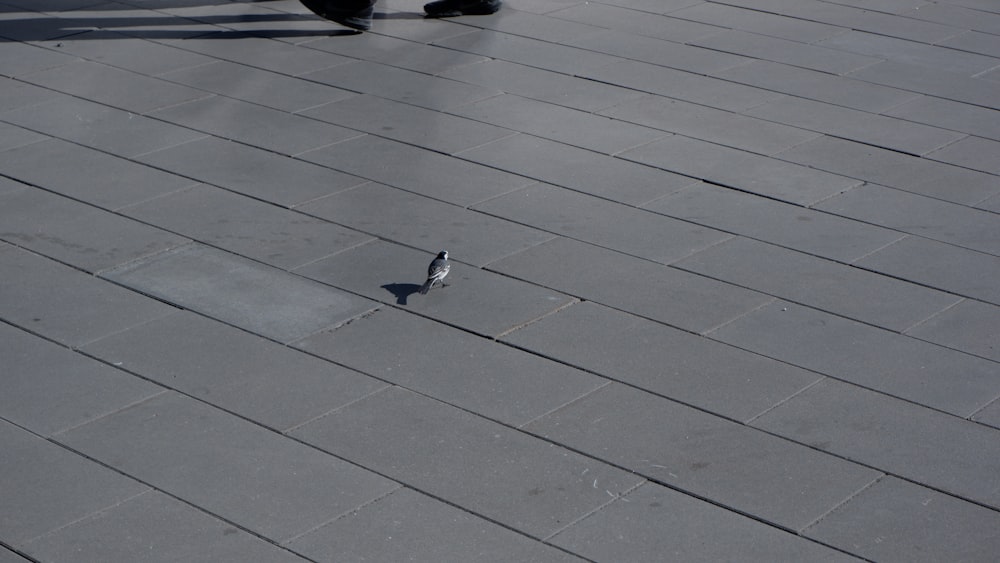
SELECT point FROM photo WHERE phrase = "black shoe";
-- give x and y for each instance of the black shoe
(452, 8)
(355, 14)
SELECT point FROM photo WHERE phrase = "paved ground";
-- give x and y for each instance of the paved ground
(725, 282)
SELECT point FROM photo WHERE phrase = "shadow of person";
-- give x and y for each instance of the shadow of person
(401, 291)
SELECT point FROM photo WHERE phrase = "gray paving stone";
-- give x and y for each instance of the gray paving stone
(407, 123)
(919, 215)
(46, 487)
(943, 266)
(666, 361)
(8, 556)
(990, 415)
(689, 86)
(251, 171)
(653, 522)
(234, 370)
(749, 172)
(700, 454)
(709, 124)
(864, 355)
(483, 376)
(955, 455)
(974, 41)
(971, 152)
(949, 114)
(840, 289)
(75, 233)
(25, 58)
(936, 82)
(274, 235)
(400, 84)
(65, 304)
(491, 470)
(868, 128)
(417, 170)
(238, 291)
(791, 226)
(12, 137)
(604, 223)
(109, 182)
(253, 477)
(682, 300)
(971, 326)
(395, 52)
(537, 26)
(154, 527)
(538, 84)
(911, 52)
(257, 86)
(529, 51)
(815, 85)
(407, 525)
(254, 125)
(122, 51)
(898, 521)
(565, 125)
(638, 22)
(794, 53)
(114, 87)
(957, 16)
(651, 50)
(15, 94)
(48, 388)
(97, 126)
(577, 169)
(475, 300)
(259, 52)
(754, 21)
(411, 219)
(890, 168)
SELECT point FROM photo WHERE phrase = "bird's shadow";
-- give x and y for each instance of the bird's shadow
(401, 290)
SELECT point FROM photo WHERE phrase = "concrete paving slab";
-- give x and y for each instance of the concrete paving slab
(48, 388)
(577, 169)
(8, 556)
(88, 175)
(569, 126)
(637, 22)
(412, 219)
(262, 127)
(234, 370)
(26, 58)
(966, 17)
(971, 152)
(700, 454)
(856, 125)
(895, 520)
(710, 124)
(653, 522)
(475, 300)
(919, 215)
(409, 525)
(949, 114)
(974, 41)
(956, 456)
(407, 123)
(529, 51)
(66, 305)
(274, 235)
(251, 171)
(536, 26)
(235, 469)
(17, 95)
(990, 415)
(682, 300)
(760, 22)
(864, 355)
(263, 53)
(941, 83)
(687, 57)
(75, 233)
(417, 170)
(738, 169)
(46, 487)
(794, 53)
(395, 52)
(154, 527)
(12, 137)
(840, 289)
(483, 376)
(897, 170)
(241, 292)
(970, 326)
(517, 480)
(786, 225)
(122, 51)
(943, 266)
(911, 52)
(603, 223)
(675, 364)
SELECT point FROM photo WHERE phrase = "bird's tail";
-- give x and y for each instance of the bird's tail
(426, 287)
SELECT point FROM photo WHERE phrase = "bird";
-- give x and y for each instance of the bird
(436, 272)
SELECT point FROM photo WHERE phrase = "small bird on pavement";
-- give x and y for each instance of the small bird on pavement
(436, 272)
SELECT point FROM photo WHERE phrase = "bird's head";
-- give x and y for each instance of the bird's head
(443, 255)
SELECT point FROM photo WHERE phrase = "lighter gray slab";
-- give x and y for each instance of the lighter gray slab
(241, 292)
(861, 354)
(25, 58)
(971, 152)
(793, 53)
(754, 21)
(253, 477)
(705, 456)
(636, 21)
(930, 447)
(970, 326)
(948, 114)
(246, 374)
(259, 52)
(474, 299)
(126, 52)
(396, 52)
(666, 361)
(935, 82)
(529, 51)
(494, 471)
(911, 52)
(688, 58)
(653, 522)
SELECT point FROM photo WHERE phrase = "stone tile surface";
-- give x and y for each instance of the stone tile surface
(970, 326)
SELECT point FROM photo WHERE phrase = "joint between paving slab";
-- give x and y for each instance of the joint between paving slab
(89, 516)
(572, 301)
(344, 514)
(614, 498)
(821, 378)
(843, 503)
